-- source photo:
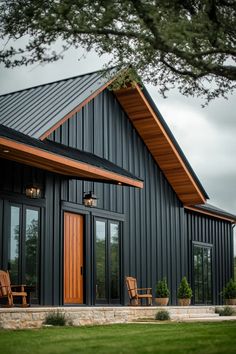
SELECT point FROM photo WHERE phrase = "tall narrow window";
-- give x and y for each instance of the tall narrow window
(115, 260)
(23, 251)
(107, 255)
(14, 246)
(31, 250)
(202, 274)
(101, 260)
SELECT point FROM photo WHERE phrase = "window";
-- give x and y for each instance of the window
(107, 256)
(202, 274)
(23, 247)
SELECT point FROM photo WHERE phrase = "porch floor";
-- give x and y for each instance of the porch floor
(33, 317)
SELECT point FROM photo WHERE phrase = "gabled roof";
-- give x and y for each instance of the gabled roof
(38, 111)
(62, 159)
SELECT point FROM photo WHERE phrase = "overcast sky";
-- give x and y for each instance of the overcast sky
(206, 135)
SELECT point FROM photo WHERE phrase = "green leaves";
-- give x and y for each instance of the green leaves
(162, 290)
(186, 44)
(229, 292)
(184, 290)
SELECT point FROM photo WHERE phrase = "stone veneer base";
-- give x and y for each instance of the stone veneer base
(33, 317)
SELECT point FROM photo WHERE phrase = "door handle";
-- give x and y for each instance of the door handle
(81, 270)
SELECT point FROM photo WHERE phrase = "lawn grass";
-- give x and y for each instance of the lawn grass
(178, 338)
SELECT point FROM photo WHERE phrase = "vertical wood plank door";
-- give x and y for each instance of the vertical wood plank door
(73, 258)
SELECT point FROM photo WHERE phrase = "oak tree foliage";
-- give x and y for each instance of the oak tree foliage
(188, 44)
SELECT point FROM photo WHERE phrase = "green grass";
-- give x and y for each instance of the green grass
(178, 338)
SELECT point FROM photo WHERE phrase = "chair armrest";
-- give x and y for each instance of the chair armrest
(17, 286)
(144, 289)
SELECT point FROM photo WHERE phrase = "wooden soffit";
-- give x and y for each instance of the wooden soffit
(163, 150)
(34, 156)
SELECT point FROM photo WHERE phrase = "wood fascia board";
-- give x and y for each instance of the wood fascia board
(209, 213)
(75, 110)
(170, 143)
(67, 162)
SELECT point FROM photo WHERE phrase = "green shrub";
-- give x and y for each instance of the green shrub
(229, 292)
(184, 290)
(55, 319)
(162, 315)
(162, 289)
(225, 311)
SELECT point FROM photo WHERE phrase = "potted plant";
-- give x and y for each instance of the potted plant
(229, 293)
(184, 293)
(162, 293)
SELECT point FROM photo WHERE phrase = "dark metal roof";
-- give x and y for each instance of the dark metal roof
(63, 150)
(215, 210)
(35, 110)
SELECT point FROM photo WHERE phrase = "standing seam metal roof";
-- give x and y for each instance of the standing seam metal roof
(35, 110)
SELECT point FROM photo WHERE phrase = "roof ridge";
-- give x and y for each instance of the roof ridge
(56, 81)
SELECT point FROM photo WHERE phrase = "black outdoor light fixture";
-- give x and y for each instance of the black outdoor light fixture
(90, 199)
(33, 191)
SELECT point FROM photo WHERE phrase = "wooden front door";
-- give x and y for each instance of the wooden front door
(73, 258)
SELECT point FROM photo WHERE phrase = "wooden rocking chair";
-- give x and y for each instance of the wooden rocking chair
(135, 297)
(7, 292)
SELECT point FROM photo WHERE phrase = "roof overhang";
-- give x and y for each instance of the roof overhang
(53, 162)
(199, 210)
(161, 146)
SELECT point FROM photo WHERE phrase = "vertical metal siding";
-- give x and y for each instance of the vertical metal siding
(154, 216)
(218, 233)
(157, 233)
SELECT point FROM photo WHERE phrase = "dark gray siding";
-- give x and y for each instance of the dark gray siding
(157, 236)
(219, 234)
(153, 227)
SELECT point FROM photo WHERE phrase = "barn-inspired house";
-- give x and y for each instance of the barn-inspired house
(94, 187)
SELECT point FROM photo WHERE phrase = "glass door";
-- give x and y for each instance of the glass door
(202, 274)
(23, 247)
(107, 261)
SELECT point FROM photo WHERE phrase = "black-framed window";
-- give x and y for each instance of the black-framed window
(107, 261)
(202, 273)
(24, 246)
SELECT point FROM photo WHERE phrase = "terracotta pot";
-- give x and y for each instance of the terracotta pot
(184, 302)
(162, 301)
(230, 301)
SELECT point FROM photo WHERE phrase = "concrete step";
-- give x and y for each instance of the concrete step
(189, 316)
(208, 319)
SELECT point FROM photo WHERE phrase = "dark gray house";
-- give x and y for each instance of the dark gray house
(61, 140)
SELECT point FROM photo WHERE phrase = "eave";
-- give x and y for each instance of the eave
(225, 217)
(162, 148)
(38, 157)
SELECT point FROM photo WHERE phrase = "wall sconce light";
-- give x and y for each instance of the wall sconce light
(90, 199)
(33, 191)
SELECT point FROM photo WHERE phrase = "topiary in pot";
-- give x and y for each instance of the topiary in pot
(184, 293)
(162, 293)
(229, 293)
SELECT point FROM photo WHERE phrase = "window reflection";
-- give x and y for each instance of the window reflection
(107, 261)
(202, 259)
(14, 244)
(31, 250)
(100, 259)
